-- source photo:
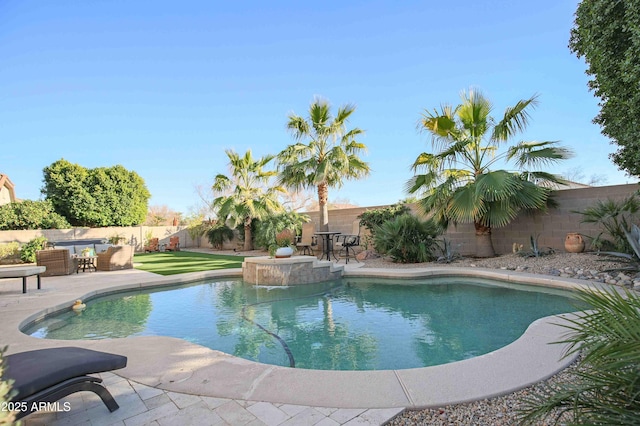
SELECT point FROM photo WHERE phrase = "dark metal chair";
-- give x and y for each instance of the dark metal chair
(346, 242)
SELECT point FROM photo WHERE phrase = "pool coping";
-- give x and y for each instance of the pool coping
(177, 365)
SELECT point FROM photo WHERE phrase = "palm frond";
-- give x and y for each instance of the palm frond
(515, 119)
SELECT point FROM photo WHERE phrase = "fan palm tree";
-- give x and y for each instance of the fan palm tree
(329, 157)
(247, 193)
(459, 183)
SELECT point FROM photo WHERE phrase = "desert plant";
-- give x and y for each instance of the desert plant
(614, 217)
(28, 250)
(535, 249)
(407, 239)
(7, 417)
(606, 389)
(631, 261)
(218, 234)
(448, 253)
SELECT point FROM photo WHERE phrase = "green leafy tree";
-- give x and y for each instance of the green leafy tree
(459, 183)
(329, 157)
(29, 214)
(606, 33)
(104, 196)
(247, 194)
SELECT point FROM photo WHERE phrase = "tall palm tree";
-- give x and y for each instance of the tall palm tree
(247, 194)
(329, 157)
(459, 183)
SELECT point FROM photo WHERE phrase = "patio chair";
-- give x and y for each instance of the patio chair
(48, 375)
(346, 242)
(152, 245)
(174, 244)
(306, 241)
(115, 258)
(57, 262)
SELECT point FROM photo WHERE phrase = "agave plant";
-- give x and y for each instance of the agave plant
(536, 250)
(606, 389)
(448, 253)
(632, 261)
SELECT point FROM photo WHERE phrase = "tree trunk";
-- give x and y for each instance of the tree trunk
(248, 243)
(323, 195)
(484, 245)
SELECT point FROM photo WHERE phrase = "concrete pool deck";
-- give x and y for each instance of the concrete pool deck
(184, 379)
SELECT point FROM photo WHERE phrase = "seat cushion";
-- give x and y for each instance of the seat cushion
(101, 248)
(33, 371)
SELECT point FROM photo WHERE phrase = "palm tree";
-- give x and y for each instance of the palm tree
(247, 194)
(459, 184)
(329, 157)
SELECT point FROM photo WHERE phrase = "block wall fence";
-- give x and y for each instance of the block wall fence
(133, 235)
(551, 226)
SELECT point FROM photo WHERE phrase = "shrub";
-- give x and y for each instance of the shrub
(30, 215)
(28, 252)
(407, 239)
(615, 218)
(371, 219)
(218, 234)
(606, 388)
(268, 228)
(9, 252)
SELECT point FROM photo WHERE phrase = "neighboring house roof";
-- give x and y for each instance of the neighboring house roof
(568, 185)
(7, 192)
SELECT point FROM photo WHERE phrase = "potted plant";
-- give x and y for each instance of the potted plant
(283, 246)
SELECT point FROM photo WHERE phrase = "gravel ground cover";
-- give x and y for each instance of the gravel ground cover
(503, 410)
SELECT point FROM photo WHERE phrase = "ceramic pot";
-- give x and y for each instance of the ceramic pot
(574, 243)
(283, 252)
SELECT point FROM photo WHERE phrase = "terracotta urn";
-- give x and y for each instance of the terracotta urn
(574, 243)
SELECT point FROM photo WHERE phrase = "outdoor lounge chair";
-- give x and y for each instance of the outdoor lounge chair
(346, 242)
(48, 375)
(174, 244)
(307, 240)
(152, 245)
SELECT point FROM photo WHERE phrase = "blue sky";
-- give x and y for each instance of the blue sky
(164, 87)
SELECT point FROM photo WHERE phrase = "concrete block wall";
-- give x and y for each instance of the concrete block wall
(551, 227)
(134, 235)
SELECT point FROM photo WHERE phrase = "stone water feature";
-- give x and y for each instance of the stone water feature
(266, 270)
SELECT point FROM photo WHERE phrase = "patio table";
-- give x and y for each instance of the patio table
(327, 243)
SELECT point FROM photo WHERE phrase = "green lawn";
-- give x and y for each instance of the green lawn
(180, 262)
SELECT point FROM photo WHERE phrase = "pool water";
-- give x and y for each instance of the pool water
(352, 324)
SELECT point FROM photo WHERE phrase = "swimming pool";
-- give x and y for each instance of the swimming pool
(352, 324)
